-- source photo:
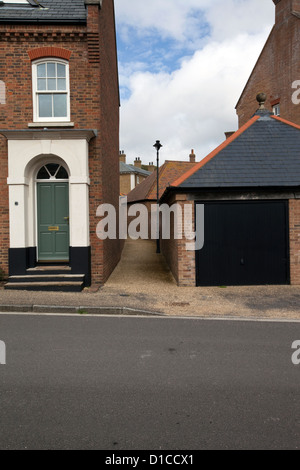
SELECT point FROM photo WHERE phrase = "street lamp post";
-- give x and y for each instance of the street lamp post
(158, 146)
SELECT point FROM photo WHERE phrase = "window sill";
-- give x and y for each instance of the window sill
(50, 124)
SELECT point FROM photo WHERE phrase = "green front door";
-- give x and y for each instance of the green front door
(53, 221)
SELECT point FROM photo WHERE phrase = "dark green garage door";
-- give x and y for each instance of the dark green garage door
(246, 243)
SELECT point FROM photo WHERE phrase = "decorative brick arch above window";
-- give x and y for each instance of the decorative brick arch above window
(43, 52)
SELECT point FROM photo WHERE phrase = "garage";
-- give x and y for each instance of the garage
(246, 243)
(250, 189)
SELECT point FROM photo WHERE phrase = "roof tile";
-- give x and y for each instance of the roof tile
(71, 11)
(124, 168)
(264, 153)
(168, 172)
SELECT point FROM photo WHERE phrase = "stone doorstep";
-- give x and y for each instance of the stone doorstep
(63, 286)
(49, 268)
(47, 276)
(41, 284)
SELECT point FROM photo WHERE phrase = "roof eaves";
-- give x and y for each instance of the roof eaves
(215, 152)
(142, 172)
(130, 169)
(140, 201)
(44, 21)
(221, 189)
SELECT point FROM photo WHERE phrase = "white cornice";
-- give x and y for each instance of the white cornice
(49, 134)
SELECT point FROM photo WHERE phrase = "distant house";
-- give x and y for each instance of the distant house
(168, 172)
(131, 175)
(277, 71)
(59, 141)
(146, 192)
(250, 190)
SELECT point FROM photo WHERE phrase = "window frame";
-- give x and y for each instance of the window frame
(276, 109)
(36, 92)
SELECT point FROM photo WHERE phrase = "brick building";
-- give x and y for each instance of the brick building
(59, 140)
(249, 191)
(131, 175)
(277, 71)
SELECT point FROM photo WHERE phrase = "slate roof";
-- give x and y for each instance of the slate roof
(168, 172)
(124, 169)
(265, 152)
(55, 11)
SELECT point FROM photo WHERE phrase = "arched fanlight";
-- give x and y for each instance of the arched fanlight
(52, 171)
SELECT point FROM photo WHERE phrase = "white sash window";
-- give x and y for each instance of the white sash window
(51, 91)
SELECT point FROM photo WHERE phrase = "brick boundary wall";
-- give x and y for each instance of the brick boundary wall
(294, 226)
(182, 263)
(186, 259)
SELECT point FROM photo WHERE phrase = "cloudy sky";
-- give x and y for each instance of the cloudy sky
(182, 67)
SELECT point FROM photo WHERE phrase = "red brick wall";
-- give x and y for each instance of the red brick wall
(181, 262)
(109, 106)
(186, 259)
(169, 249)
(104, 170)
(94, 105)
(294, 213)
(277, 68)
(4, 212)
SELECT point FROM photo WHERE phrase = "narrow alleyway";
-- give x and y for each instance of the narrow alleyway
(140, 266)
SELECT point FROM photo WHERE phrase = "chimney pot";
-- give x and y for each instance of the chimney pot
(151, 167)
(122, 157)
(138, 162)
(192, 156)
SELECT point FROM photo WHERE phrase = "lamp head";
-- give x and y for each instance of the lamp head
(157, 145)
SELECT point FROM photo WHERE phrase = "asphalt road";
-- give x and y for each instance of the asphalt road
(77, 382)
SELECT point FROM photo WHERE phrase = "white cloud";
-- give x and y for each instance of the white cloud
(233, 17)
(181, 19)
(171, 18)
(192, 106)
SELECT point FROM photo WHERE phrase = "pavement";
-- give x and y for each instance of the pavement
(142, 284)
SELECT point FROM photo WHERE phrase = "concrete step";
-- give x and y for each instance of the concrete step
(47, 278)
(40, 270)
(54, 286)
